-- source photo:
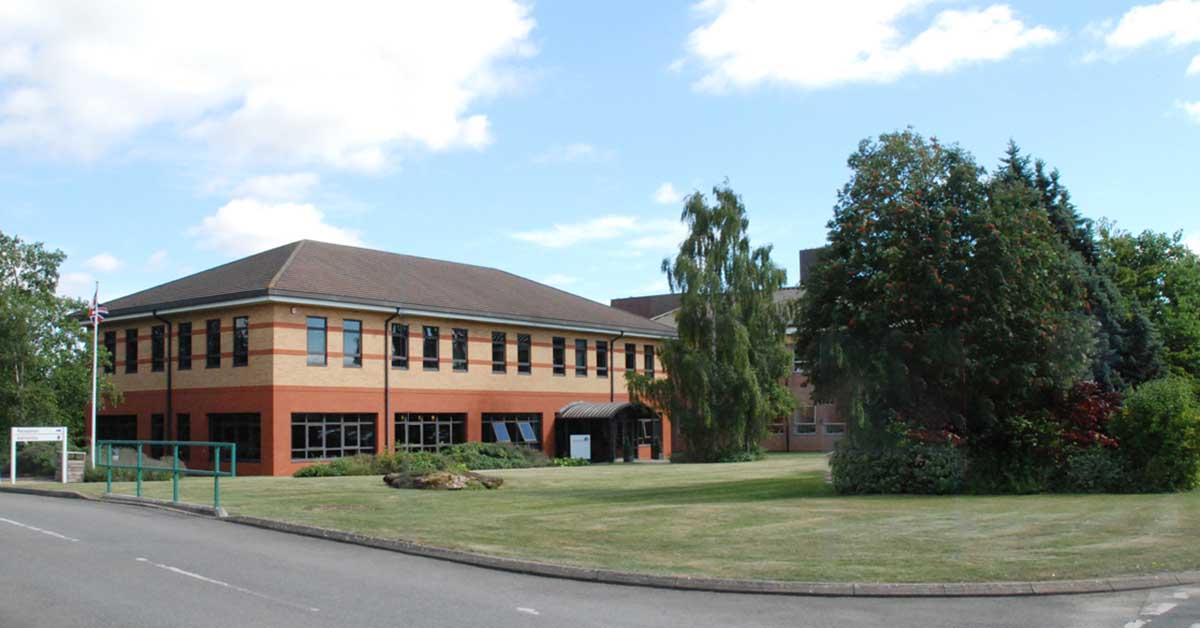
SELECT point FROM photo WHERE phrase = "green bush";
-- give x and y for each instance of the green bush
(496, 456)
(458, 457)
(570, 462)
(918, 468)
(1159, 434)
(1095, 470)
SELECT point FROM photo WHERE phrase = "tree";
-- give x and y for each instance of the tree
(1161, 275)
(946, 300)
(726, 368)
(45, 357)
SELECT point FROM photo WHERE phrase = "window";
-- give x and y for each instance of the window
(241, 341)
(352, 343)
(212, 344)
(630, 357)
(158, 429)
(796, 358)
(157, 348)
(649, 360)
(601, 358)
(430, 431)
(244, 429)
(777, 427)
(399, 345)
(183, 431)
(131, 351)
(458, 348)
(429, 354)
(316, 341)
(317, 436)
(835, 428)
(560, 355)
(524, 343)
(522, 428)
(499, 352)
(110, 345)
(806, 421)
(116, 427)
(580, 357)
(185, 346)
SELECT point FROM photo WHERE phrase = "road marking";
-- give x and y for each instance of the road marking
(1136, 624)
(525, 609)
(234, 587)
(1158, 609)
(37, 529)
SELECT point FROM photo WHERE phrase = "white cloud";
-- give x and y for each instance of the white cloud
(343, 85)
(102, 263)
(1192, 110)
(636, 233)
(79, 285)
(1194, 66)
(816, 45)
(559, 280)
(667, 195)
(156, 259)
(245, 226)
(1177, 21)
(279, 187)
(1193, 243)
(578, 151)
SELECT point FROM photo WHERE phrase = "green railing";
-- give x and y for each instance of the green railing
(106, 452)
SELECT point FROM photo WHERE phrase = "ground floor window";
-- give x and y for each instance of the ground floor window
(524, 428)
(325, 435)
(116, 427)
(806, 421)
(244, 428)
(183, 432)
(158, 429)
(430, 430)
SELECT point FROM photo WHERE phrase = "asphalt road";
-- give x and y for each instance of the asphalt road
(66, 563)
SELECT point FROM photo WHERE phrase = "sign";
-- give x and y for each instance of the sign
(581, 446)
(36, 435)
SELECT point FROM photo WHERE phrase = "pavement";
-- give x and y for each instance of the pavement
(84, 563)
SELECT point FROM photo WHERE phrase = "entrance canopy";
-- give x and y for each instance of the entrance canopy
(606, 410)
(617, 430)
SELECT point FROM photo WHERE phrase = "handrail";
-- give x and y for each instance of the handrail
(216, 474)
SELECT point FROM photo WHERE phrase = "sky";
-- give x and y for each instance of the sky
(555, 140)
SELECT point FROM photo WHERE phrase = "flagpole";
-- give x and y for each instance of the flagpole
(95, 354)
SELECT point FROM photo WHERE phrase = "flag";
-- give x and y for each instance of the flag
(97, 312)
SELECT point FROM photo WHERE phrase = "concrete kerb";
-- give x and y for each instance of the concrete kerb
(683, 583)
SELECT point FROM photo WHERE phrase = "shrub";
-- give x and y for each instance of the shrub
(496, 456)
(569, 462)
(919, 468)
(1159, 434)
(1095, 470)
(458, 457)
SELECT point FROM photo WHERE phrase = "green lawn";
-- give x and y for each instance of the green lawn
(775, 519)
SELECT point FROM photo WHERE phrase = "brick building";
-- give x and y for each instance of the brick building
(312, 351)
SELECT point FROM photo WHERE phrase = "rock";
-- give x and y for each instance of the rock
(443, 481)
(486, 481)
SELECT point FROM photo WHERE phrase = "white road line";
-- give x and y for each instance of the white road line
(1136, 624)
(1159, 608)
(219, 583)
(525, 609)
(37, 529)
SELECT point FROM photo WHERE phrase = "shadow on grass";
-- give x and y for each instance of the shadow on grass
(755, 490)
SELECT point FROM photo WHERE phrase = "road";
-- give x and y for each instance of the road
(67, 563)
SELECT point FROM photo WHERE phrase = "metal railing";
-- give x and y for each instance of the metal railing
(106, 461)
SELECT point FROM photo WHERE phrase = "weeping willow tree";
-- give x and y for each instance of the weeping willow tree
(725, 370)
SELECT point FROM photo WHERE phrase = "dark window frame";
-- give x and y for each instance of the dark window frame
(241, 340)
(110, 345)
(648, 360)
(400, 346)
(512, 421)
(355, 434)
(242, 425)
(352, 355)
(631, 357)
(185, 346)
(212, 343)
(459, 341)
(559, 355)
(499, 343)
(131, 350)
(524, 354)
(158, 349)
(431, 338)
(183, 432)
(158, 431)
(601, 358)
(116, 427)
(311, 329)
(581, 357)
(434, 430)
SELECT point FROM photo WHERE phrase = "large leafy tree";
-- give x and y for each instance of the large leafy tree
(1161, 275)
(45, 357)
(725, 370)
(946, 299)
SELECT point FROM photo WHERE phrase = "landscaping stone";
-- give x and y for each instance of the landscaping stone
(443, 481)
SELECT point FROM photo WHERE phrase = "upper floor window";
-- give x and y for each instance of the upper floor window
(601, 358)
(110, 345)
(796, 358)
(524, 344)
(580, 357)
(185, 346)
(131, 342)
(630, 357)
(157, 348)
(241, 341)
(429, 354)
(458, 348)
(399, 345)
(315, 341)
(352, 343)
(212, 343)
(499, 352)
(560, 355)
(649, 360)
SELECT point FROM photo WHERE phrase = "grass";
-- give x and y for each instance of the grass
(775, 519)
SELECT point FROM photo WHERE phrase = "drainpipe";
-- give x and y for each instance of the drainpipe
(168, 419)
(612, 371)
(387, 370)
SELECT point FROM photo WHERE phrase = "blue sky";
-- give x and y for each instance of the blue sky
(554, 140)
